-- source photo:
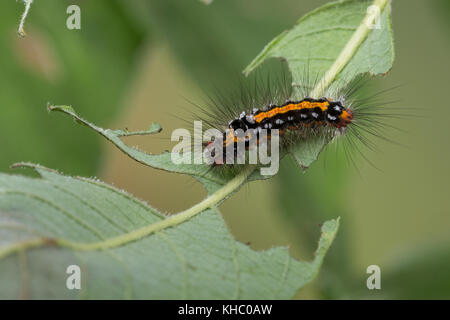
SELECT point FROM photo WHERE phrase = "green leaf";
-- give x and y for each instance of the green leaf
(308, 150)
(334, 44)
(49, 223)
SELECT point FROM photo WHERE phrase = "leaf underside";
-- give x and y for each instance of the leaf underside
(198, 259)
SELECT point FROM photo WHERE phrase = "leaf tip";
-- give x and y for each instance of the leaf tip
(20, 165)
(31, 165)
(155, 127)
(331, 226)
(66, 109)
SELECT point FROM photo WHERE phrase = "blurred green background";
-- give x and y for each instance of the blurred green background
(135, 61)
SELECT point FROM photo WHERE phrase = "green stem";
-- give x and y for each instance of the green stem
(123, 239)
(171, 221)
(349, 50)
(23, 245)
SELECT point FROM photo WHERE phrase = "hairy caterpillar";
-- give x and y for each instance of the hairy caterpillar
(267, 105)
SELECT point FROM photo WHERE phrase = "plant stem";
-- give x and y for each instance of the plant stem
(349, 50)
(23, 245)
(123, 239)
(171, 221)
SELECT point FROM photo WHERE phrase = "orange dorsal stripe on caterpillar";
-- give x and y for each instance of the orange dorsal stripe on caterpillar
(320, 112)
(290, 107)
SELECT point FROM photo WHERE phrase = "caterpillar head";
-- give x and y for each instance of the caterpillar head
(346, 118)
(339, 115)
